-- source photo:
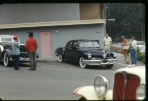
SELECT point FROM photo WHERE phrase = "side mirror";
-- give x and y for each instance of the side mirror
(75, 47)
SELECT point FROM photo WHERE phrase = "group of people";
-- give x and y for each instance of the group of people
(133, 47)
(31, 48)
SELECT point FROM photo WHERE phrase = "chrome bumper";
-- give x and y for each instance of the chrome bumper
(100, 62)
(24, 59)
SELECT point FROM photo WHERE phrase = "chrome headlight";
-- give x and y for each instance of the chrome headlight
(140, 92)
(89, 55)
(101, 85)
(115, 55)
(104, 55)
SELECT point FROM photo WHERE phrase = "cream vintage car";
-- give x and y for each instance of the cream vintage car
(128, 84)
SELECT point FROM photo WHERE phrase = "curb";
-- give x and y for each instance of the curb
(47, 59)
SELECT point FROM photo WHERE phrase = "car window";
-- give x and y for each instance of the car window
(6, 39)
(141, 43)
(92, 44)
(69, 45)
(141, 47)
(75, 44)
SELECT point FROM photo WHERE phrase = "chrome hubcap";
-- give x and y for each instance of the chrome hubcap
(82, 62)
(60, 58)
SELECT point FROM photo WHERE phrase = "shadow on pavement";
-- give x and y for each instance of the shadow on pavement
(21, 65)
(88, 67)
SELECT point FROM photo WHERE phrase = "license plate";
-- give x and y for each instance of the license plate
(104, 61)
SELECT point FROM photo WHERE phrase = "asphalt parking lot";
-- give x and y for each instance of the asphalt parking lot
(51, 80)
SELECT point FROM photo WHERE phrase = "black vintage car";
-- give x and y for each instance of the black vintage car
(6, 51)
(86, 52)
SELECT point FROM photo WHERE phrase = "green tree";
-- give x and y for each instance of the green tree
(129, 20)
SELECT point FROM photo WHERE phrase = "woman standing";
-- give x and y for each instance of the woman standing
(16, 52)
(124, 48)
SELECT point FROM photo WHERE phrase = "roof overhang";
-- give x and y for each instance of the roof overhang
(55, 23)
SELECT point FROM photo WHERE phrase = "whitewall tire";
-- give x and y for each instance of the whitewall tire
(109, 66)
(60, 58)
(6, 60)
(82, 98)
(82, 64)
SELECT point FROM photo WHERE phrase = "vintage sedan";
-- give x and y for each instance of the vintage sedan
(128, 84)
(6, 51)
(86, 52)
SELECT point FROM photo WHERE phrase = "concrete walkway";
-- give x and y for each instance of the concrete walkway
(120, 58)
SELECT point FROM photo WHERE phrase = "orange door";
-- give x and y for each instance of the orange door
(46, 44)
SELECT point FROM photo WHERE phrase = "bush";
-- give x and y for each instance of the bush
(143, 60)
(128, 51)
(141, 57)
(138, 51)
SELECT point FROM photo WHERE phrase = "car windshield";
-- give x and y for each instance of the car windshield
(6, 39)
(141, 43)
(89, 44)
(141, 47)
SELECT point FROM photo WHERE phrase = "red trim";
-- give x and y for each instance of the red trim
(75, 93)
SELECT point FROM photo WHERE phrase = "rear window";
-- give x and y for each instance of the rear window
(141, 43)
(6, 39)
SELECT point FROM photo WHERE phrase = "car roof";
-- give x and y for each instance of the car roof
(6, 35)
(83, 40)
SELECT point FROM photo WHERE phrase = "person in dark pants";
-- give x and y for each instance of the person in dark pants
(16, 52)
(31, 47)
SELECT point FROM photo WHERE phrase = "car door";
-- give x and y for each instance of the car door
(68, 50)
(74, 51)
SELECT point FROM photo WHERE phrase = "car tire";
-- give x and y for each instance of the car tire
(81, 63)
(6, 60)
(82, 98)
(109, 66)
(60, 58)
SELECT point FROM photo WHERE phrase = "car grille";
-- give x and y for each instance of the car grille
(22, 48)
(125, 90)
(23, 52)
(24, 55)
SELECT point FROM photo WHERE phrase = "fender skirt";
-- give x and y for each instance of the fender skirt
(9, 52)
(89, 93)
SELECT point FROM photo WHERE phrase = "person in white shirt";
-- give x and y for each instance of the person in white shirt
(134, 51)
(107, 42)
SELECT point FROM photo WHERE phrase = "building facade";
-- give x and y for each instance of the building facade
(53, 24)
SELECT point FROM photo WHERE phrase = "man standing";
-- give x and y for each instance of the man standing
(134, 51)
(16, 52)
(107, 42)
(31, 47)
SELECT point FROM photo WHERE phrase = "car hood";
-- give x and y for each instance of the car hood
(92, 50)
